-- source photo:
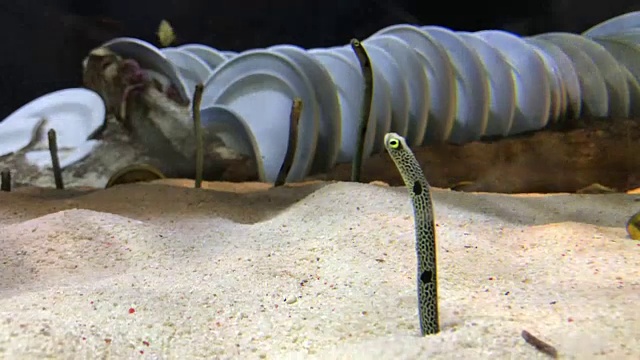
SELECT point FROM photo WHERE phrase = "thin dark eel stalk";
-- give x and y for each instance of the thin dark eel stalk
(294, 117)
(365, 112)
(540, 345)
(5, 184)
(55, 161)
(197, 124)
(419, 191)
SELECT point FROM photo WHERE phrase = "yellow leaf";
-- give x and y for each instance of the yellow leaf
(633, 226)
(166, 35)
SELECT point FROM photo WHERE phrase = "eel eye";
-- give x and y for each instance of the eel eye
(394, 143)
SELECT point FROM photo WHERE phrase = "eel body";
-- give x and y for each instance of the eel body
(418, 187)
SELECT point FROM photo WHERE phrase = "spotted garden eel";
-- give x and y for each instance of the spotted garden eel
(418, 187)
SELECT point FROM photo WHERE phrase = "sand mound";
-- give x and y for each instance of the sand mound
(70, 245)
(319, 271)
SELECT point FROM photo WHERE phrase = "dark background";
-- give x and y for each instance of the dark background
(44, 41)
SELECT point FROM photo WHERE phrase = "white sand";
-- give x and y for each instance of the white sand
(320, 271)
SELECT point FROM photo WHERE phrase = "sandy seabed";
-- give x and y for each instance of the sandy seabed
(320, 271)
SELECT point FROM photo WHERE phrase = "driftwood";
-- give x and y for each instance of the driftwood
(566, 158)
(118, 150)
(156, 118)
(147, 123)
(552, 160)
(150, 125)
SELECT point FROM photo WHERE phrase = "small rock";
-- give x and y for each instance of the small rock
(379, 183)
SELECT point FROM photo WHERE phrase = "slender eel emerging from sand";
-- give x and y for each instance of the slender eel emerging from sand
(418, 186)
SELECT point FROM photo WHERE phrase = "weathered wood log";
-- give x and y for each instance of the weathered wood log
(551, 160)
(144, 125)
(151, 128)
(156, 119)
(562, 158)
